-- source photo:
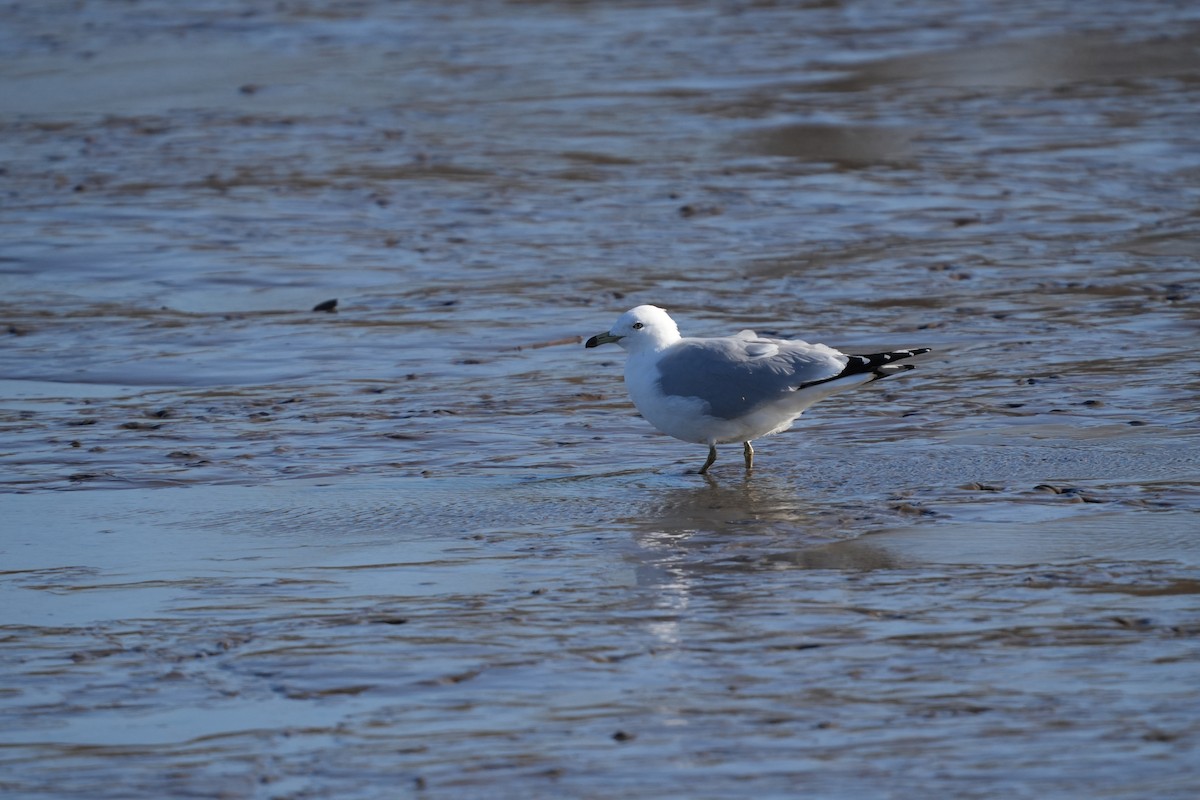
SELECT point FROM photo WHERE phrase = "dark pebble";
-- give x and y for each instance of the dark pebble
(909, 508)
(698, 210)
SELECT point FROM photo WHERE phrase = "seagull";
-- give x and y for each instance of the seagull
(732, 388)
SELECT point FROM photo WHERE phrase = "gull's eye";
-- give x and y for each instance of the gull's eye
(637, 326)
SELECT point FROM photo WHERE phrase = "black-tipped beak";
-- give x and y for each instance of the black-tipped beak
(601, 338)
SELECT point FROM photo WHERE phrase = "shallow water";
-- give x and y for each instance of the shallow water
(423, 546)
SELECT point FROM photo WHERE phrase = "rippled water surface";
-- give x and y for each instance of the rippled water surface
(421, 545)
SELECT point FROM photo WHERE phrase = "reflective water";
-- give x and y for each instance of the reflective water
(422, 546)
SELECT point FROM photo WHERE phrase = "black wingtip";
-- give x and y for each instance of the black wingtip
(891, 371)
(872, 362)
(879, 365)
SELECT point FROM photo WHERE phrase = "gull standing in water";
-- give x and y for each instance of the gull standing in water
(732, 388)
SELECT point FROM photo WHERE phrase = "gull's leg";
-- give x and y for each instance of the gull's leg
(749, 453)
(712, 456)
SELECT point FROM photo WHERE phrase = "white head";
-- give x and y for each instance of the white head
(644, 327)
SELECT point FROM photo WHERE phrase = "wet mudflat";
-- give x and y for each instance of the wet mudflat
(421, 545)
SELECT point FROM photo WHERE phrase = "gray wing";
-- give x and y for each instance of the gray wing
(736, 374)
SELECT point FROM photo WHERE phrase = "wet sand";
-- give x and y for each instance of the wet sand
(422, 545)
